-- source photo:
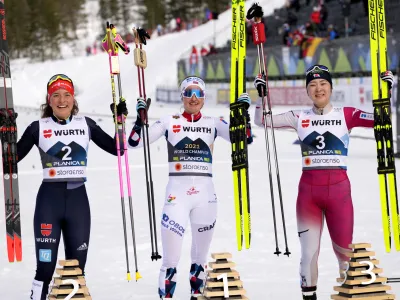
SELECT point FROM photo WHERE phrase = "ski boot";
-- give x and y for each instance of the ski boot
(196, 277)
(170, 284)
(309, 293)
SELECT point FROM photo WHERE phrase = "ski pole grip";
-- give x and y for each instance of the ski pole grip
(258, 33)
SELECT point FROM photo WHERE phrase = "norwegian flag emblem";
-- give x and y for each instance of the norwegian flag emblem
(317, 75)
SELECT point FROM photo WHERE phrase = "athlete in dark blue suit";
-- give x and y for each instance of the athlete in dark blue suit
(62, 205)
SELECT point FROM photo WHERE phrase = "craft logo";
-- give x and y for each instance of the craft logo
(47, 133)
(171, 198)
(192, 191)
(46, 229)
(305, 123)
(176, 128)
(207, 228)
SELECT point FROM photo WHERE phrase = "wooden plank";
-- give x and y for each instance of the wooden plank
(360, 246)
(222, 255)
(356, 264)
(360, 280)
(65, 290)
(216, 293)
(361, 253)
(80, 279)
(70, 271)
(229, 272)
(82, 297)
(362, 290)
(359, 272)
(365, 297)
(212, 284)
(68, 263)
(242, 297)
(222, 265)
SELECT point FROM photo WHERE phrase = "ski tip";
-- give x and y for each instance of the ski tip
(138, 276)
(128, 276)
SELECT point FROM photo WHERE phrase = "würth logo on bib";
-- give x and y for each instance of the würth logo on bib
(69, 132)
(305, 123)
(176, 128)
(326, 122)
(47, 133)
(46, 229)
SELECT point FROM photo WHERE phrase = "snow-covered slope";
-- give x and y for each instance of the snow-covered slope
(91, 74)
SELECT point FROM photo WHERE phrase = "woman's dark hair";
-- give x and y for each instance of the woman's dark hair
(47, 111)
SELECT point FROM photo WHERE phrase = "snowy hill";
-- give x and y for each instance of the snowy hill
(91, 74)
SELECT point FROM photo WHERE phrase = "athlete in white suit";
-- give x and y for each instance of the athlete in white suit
(190, 191)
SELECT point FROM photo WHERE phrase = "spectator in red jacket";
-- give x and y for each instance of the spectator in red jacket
(315, 18)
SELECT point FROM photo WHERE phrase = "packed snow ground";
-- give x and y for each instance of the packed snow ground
(265, 276)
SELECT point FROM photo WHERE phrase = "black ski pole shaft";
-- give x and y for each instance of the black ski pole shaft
(156, 255)
(128, 182)
(259, 39)
(143, 116)
(265, 72)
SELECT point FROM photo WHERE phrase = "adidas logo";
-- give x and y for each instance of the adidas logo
(82, 247)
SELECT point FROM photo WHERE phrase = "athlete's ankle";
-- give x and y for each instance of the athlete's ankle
(309, 292)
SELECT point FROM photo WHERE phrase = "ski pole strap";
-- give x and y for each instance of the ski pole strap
(380, 102)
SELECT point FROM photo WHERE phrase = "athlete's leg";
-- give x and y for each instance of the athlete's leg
(76, 229)
(340, 220)
(174, 219)
(47, 221)
(202, 218)
(310, 219)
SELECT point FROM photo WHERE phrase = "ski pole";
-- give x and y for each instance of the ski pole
(114, 69)
(259, 39)
(140, 60)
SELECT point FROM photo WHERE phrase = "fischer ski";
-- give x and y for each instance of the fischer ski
(383, 125)
(239, 118)
(9, 150)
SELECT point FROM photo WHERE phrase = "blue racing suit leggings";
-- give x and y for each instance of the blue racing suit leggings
(61, 207)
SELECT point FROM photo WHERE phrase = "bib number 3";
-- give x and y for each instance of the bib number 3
(367, 272)
(321, 144)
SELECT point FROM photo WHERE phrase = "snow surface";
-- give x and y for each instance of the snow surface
(265, 276)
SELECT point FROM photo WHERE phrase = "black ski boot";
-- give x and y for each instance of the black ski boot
(309, 293)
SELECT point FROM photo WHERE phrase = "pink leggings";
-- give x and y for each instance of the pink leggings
(323, 194)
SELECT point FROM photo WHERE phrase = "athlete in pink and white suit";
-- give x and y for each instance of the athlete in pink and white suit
(324, 189)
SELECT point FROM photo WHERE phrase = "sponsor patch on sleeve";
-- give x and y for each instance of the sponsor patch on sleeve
(366, 116)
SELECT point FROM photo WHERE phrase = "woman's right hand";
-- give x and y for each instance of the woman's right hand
(261, 86)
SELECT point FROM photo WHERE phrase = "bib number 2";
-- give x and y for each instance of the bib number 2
(74, 291)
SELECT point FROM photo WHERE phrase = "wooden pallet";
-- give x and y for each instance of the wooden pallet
(214, 288)
(357, 284)
(61, 289)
